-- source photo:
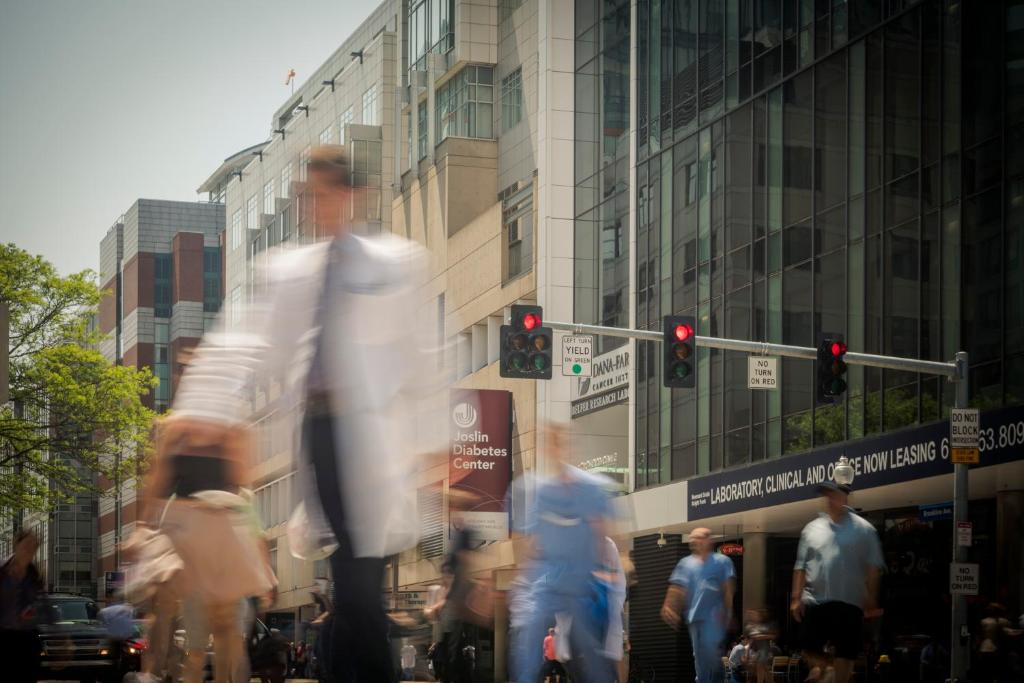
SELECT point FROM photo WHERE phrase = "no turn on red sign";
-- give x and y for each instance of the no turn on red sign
(963, 578)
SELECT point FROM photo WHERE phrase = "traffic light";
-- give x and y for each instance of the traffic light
(831, 368)
(678, 342)
(526, 345)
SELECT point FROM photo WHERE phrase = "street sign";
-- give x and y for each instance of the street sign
(963, 436)
(963, 578)
(408, 600)
(762, 372)
(964, 531)
(577, 355)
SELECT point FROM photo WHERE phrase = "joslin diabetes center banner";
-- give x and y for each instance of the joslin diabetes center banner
(480, 457)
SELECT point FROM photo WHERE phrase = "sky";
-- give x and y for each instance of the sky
(106, 101)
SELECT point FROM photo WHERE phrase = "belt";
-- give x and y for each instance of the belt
(318, 404)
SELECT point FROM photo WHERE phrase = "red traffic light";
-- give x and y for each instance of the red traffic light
(838, 349)
(683, 332)
(530, 321)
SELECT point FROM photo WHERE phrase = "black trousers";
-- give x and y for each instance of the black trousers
(358, 640)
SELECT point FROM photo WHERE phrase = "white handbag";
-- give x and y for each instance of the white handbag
(155, 561)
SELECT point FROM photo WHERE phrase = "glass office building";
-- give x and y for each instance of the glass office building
(824, 167)
(795, 168)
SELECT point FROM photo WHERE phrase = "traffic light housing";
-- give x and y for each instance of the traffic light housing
(526, 345)
(831, 368)
(679, 344)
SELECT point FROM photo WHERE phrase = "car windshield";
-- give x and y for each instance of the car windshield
(74, 611)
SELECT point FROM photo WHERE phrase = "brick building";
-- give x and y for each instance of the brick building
(161, 265)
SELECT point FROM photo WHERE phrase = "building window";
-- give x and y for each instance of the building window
(162, 270)
(286, 180)
(236, 229)
(211, 279)
(251, 213)
(430, 505)
(268, 198)
(236, 305)
(366, 173)
(161, 364)
(512, 99)
(465, 105)
(303, 164)
(517, 228)
(370, 106)
(345, 119)
(421, 144)
(430, 30)
(325, 136)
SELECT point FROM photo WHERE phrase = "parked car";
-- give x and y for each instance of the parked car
(75, 645)
(268, 655)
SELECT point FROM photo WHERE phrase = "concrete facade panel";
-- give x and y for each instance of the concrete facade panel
(187, 274)
(138, 283)
(108, 307)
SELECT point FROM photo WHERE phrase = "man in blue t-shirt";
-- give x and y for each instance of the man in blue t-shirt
(701, 590)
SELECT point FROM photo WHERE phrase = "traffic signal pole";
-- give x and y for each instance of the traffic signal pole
(959, 645)
(955, 371)
(928, 367)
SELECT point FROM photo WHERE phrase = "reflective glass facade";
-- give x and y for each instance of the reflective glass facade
(823, 167)
(602, 165)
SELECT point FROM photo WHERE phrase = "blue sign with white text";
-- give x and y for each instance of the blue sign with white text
(905, 455)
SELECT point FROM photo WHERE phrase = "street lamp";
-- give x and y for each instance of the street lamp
(843, 474)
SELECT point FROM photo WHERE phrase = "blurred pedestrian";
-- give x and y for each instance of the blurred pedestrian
(408, 661)
(760, 632)
(199, 481)
(738, 659)
(701, 592)
(835, 581)
(567, 525)
(450, 604)
(332, 331)
(552, 671)
(992, 644)
(21, 585)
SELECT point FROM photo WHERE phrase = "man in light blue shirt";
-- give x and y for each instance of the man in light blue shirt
(704, 582)
(835, 581)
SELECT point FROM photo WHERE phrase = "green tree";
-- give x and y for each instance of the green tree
(72, 415)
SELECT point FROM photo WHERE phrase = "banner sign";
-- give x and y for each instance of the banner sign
(608, 385)
(891, 458)
(480, 457)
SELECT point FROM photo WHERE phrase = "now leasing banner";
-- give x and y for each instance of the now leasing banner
(480, 457)
(886, 459)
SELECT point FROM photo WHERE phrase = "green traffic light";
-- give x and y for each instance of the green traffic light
(836, 387)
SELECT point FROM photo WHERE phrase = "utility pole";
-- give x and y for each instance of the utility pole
(959, 650)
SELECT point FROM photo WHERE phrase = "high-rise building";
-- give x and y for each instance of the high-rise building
(797, 169)
(162, 266)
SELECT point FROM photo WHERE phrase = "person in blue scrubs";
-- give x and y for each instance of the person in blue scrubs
(567, 527)
(700, 591)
